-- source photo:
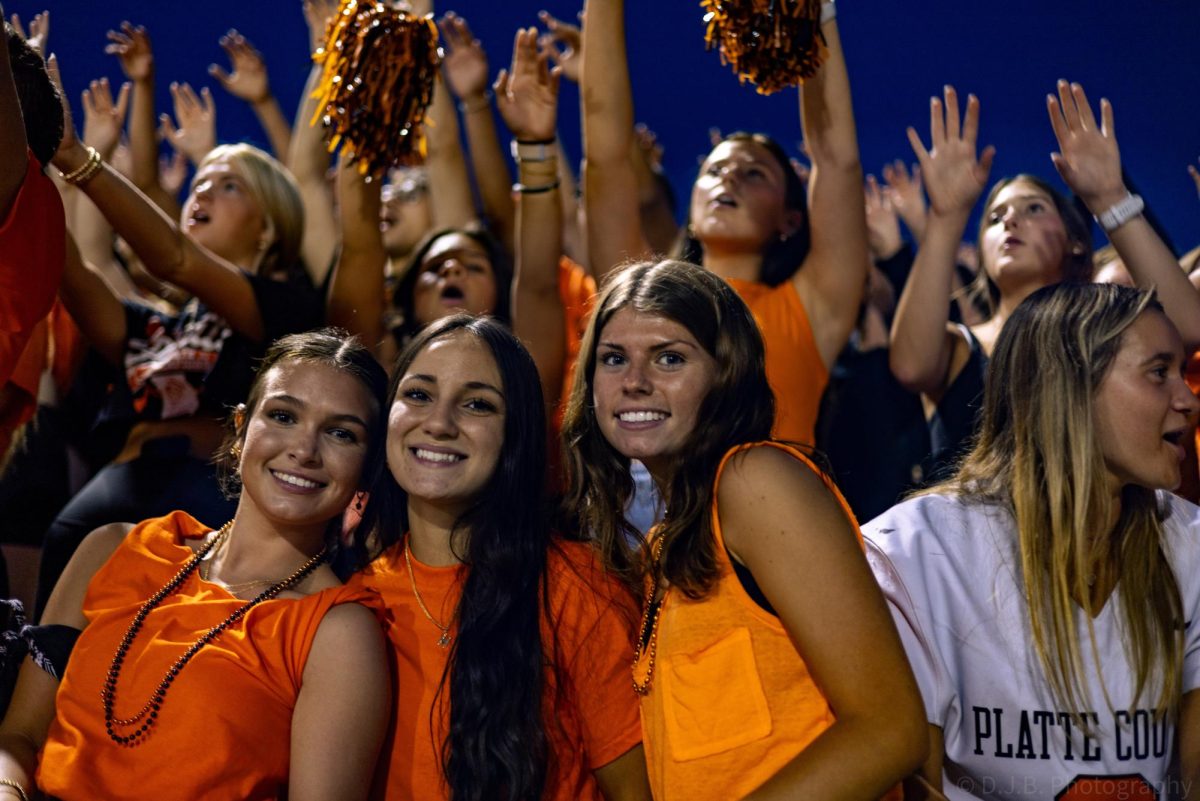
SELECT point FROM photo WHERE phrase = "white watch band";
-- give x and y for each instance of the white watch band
(1121, 212)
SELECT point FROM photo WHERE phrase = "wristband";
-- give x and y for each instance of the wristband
(529, 150)
(483, 102)
(828, 11)
(535, 190)
(1121, 212)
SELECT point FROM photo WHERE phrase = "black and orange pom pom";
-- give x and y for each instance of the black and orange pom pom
(771, 43)
(379, 65)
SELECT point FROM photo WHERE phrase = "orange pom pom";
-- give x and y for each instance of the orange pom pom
(771, 43)
(379, 65)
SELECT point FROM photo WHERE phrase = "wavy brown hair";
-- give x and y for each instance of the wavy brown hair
(1037, 454)
(739, 408)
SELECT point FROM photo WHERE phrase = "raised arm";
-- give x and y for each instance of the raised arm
(449, 182)
(103, 121)
(907, 196)
(308, 159)
(157, 239)
(356, 294)
(248, 82)
(922, 345)
(527, 98)
(1089, 161)
(614, 231)
(194, 130)
(834, 274)
(783, 524)
(466, 70)
(131, 46)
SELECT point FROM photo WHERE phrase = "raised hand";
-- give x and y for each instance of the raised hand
(195, 131)
(316, 14)
(465, 64)
(954, 178)
(883, 223)
(1192, 171)
(172, 173)
(131, 45)
(648, 147)
(1087, 158)
(527, 93)
(564, 44)
(39, 31)
(248, 81)
(103, 119)
(905, 193)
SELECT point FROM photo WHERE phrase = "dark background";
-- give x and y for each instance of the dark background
(1142, 56)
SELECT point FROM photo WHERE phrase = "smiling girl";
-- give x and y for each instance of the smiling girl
(511, 644)
(232, 656)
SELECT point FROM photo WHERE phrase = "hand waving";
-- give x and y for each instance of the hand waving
(248, 81)
(195, 132)
(569, 38)
(103, 119)
(904, 191)
(527, 93)
(465, 64)
(39, 31)
(883, 223)
(953, 177)
(132, 46)
(1087, 158)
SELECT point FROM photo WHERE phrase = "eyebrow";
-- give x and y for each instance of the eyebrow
(431, 379)
(656, 347)
(292, 400)
(1162, 356)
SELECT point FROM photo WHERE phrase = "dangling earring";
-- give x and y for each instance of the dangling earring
(359, 499)
(235, 453)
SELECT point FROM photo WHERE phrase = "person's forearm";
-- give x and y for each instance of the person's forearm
(918, 356)
(279, 132)
(605, 89)
(450, 198)
(143, 135)
(307, 156)
(826, 111)
(356, 290)
(490, 168)
(537, 312)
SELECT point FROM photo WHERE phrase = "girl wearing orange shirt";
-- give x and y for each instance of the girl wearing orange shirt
(510, 645)
(767, 666)
(221, 664)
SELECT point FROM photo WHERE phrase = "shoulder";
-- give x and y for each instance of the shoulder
(576, 569)
(1181, 536)
(767, 472)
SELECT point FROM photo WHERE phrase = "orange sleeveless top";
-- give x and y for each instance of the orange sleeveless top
(731, 701)
(224, 729)
(589, 617)
(795, 370)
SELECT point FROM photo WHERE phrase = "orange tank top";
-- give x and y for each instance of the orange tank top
(731, 700)
(795, 370)
(224, 730)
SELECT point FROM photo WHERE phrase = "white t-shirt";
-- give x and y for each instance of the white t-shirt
(951, 573)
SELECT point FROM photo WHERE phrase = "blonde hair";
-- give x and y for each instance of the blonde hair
(274, 190)
(1037, 453)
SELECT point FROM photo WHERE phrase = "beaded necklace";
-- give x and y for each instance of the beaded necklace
(647, 642)
(148, 715)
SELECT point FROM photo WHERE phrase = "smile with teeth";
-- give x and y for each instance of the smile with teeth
(641, 417)
(437, 456)
(296, 481)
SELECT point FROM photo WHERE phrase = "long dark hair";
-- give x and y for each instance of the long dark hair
(739, 408)
(782, 256)
(496, 747)
(502, 271)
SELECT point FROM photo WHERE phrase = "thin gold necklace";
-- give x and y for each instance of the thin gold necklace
(444, 640)
(232, 589)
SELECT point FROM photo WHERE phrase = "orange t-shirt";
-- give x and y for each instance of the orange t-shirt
(55, 344)
(795, 370)
(224, 729)
(594, 722)
(731, 701)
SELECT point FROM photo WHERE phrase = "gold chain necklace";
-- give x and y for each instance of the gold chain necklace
(444, 640)
(647, 642)
(148, 715)
(232, 589)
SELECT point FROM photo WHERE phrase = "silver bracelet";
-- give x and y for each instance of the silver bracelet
(1121, 212)
(828, 11)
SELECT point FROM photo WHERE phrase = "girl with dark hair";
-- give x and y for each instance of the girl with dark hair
(767, 665)
(1030, 236)
(220, 664)
(1048, 594)
(798, 261)
(511, 644)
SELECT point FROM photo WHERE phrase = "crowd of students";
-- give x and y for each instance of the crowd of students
(564, 501)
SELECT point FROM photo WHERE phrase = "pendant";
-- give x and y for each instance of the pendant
(444, 640)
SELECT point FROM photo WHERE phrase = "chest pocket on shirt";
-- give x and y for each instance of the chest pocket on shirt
(714, 698)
